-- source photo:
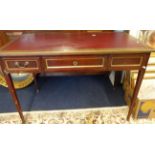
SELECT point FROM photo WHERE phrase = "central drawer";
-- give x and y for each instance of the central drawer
(74, 63)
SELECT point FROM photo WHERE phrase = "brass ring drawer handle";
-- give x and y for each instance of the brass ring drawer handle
(75, 63)
(21, 65)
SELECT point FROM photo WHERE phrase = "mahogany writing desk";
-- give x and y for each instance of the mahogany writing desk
(78, 52)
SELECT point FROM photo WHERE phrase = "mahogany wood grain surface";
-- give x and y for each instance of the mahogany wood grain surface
(23, 64)
(75, 63)
(14, 95)
(137, 86)
(126, 61)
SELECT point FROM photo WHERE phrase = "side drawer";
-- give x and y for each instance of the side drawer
(22, 64)
(74, 63)
(126, 61)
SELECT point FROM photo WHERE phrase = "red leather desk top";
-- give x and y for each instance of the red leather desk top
(70, 42)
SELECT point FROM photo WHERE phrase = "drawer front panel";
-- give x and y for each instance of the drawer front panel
(126, 61)
(84, 62)
(26, 64)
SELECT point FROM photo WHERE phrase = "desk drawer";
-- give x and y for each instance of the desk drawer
(74, 63)
(22, 64)
(126, 61)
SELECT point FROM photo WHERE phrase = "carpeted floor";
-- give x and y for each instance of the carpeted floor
(72, 99)
(65, 92)
(115, 115)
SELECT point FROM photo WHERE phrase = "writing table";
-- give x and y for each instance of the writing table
(74, 52)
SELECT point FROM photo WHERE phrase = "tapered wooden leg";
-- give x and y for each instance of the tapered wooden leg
(35, 82)
(136, 90)
(14, 94)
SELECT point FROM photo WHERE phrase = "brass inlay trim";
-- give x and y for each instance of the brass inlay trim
(78, 66)
(74, 51)
(16, 68)
(130, 65)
